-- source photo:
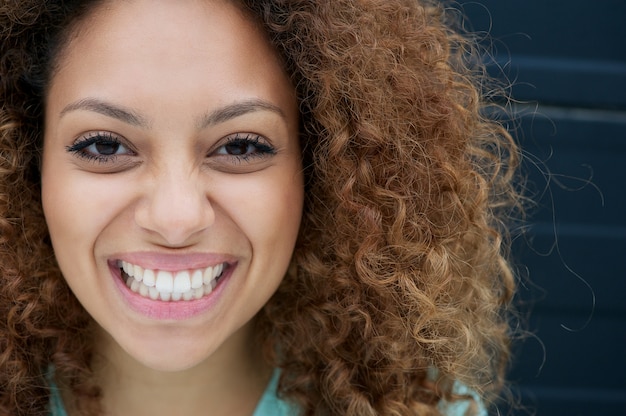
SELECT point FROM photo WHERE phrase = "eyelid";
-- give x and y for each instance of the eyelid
(263, 145)
(84, 141)
(90, 137)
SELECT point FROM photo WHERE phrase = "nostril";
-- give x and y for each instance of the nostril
(176, 215)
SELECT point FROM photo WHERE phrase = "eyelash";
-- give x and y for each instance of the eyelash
(79, 148)
(238, 140)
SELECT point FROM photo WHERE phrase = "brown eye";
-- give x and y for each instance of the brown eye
(106, 148)
(244, 146)
(239, 148)
(101, 146)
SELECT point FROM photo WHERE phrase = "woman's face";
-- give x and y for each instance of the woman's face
(171, 181)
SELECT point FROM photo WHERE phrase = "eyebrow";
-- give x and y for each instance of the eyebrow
(107, 109)
(238, 109)
(129, 116)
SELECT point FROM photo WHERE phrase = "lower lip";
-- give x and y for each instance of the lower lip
(169, 311)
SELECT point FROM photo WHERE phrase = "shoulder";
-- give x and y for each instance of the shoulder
(270, 404)
(473, 405)
(56, 403)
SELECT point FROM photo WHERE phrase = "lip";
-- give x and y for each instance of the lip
(173, 262)
(171, 311)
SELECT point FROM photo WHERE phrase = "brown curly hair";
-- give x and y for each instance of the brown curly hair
(401, 265)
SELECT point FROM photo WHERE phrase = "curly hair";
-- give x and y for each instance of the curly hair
(401, 265)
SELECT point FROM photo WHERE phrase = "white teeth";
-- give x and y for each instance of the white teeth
(164, 281)
(171, 286)
(182, 282)
(137, 273)
(143, 290)
(217, 270)
(196, 279)
(149, 278)
(208, 289)
(154, 293)
(207, 276)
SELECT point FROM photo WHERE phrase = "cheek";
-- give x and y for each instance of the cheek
(77, 206)
(60, 204)
(268, 210)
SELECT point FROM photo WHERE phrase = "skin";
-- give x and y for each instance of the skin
(144, 81)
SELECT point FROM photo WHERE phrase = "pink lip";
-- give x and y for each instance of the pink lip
(174, 262)
(170, 311)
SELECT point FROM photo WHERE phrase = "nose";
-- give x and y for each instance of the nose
(176, 208)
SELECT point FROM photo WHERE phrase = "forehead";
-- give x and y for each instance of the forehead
(128, 44)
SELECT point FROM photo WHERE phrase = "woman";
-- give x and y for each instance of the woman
(220, 207)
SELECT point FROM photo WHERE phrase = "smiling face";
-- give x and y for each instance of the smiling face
(171, 176)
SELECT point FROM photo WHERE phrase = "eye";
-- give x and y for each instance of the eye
(244, 146)
(99, 146)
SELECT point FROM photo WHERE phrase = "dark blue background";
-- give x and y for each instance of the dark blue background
(567, 63)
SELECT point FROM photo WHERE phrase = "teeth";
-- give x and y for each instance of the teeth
(149, 278)
(164, 282)
(217, 270)
(182, 282)
(143, 290)
(137, 273)
(196, 279)
(207, 276)
(171, 286)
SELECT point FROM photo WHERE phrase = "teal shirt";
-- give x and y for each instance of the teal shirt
(271, 405)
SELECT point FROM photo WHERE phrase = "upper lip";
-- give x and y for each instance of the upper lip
(173, 262)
